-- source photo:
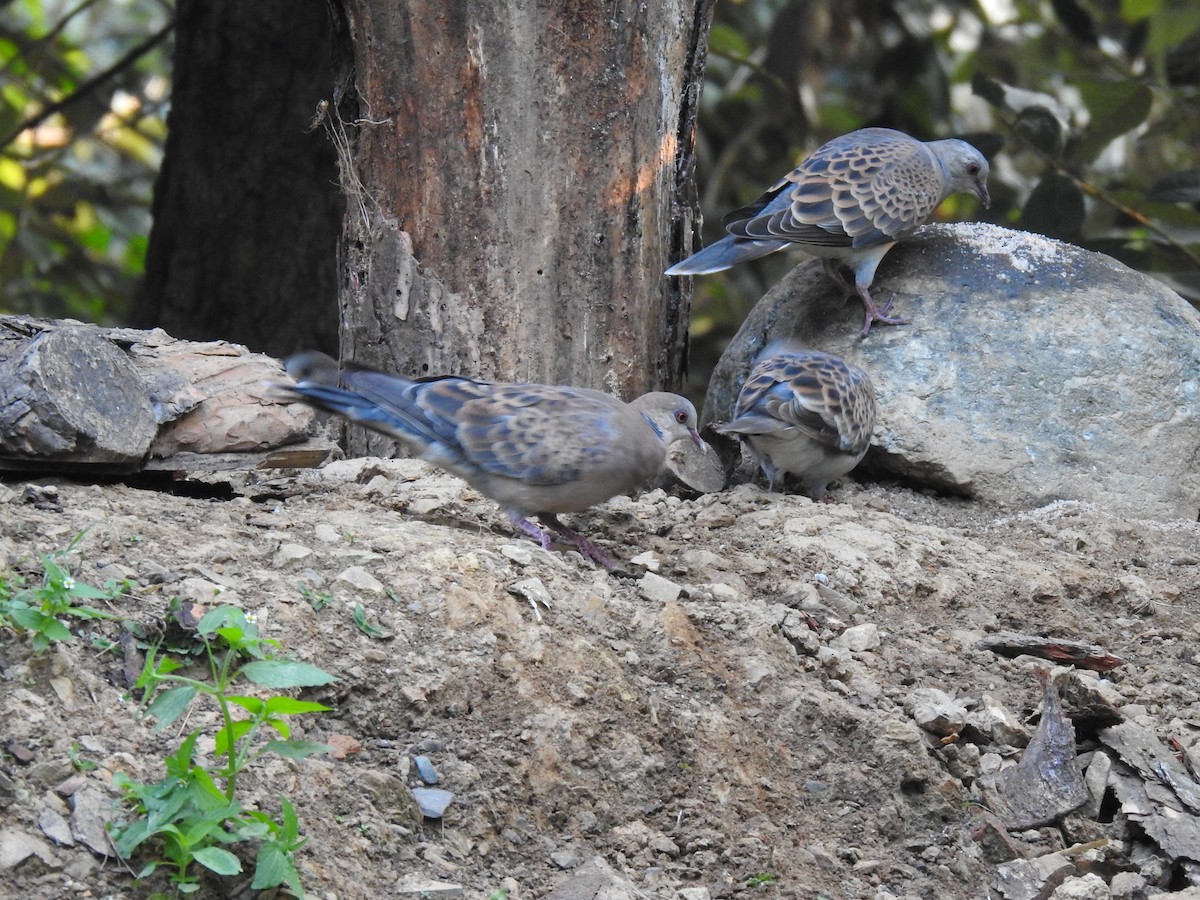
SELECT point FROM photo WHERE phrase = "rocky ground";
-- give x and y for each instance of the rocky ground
(748, 715)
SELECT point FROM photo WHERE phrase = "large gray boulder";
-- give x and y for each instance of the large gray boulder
(1031, 370)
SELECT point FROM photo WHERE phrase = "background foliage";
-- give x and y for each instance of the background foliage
(1090, 110)
(83, 91)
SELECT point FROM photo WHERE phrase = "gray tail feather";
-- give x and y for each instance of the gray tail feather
(725, 253)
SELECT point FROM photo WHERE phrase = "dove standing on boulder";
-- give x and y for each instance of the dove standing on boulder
(849, 202)
(536, 449)
(804, 412)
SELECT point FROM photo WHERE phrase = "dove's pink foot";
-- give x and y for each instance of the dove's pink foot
(539, 534)
(582, 544)
(872, 313)
(586, 548)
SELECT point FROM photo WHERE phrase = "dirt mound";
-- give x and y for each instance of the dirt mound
(741, 721)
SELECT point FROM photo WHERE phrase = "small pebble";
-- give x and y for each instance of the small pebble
(425, 769)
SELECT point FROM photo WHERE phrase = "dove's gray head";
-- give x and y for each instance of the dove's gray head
(671, 416)
(966, 169)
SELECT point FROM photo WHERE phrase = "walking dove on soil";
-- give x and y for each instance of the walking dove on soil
(804, 412)
(849, 203)
(536, 449)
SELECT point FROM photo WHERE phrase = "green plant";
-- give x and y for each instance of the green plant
(363, 624)
(194, 813)
(78, 763)
(761, 878)
(318, 600)
(39, 611)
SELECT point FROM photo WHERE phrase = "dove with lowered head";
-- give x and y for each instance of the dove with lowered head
(536, 449)
(806, 413)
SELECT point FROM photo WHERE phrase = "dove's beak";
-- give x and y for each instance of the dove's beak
(697, 440)
(981, 192)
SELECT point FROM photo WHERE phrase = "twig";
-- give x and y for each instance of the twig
(1101, 194)
(49, 35)
(91, 84)
(753, 65)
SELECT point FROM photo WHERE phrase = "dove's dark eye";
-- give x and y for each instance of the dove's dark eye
(681, 416)
(973, 169)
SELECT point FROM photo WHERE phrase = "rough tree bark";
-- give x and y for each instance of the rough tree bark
(519, 175)
(247, 212)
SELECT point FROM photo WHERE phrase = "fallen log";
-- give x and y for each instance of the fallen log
(80, 397)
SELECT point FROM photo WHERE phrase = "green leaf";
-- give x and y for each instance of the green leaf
(88, 592)
(55, 630)
(276, 673)
(363, 624)
(233, 635)
(217, 860)
(727, 41)
(55, 574)
(252, 705)
(218, 618)
(167, 665)
(127, 838)
(228, 736)
(170, 705)
(147, 870)
(1117, 107)
(291, 822)
(28, 618)
(289, 706)
(251, 829)
(271, 868)
(1132, 10)
(209, 798)
(180, 762)
(296, 749)
(161, 812)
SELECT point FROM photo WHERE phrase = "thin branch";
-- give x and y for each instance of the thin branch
(1104, 196)
(92, 84)
(754, 66)
(49, 35)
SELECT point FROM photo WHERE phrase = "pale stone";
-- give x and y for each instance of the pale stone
(1086, 887)
(936, 711)
(659, 589)
(648, 560)
(55, 826)
(858, 638)
(91, 811)
(290, 554)
(327, 533)
(16, 846)
(359, 578)
(993, 719)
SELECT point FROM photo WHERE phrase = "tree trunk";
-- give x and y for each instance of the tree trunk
(514, 178)
(247, 213)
